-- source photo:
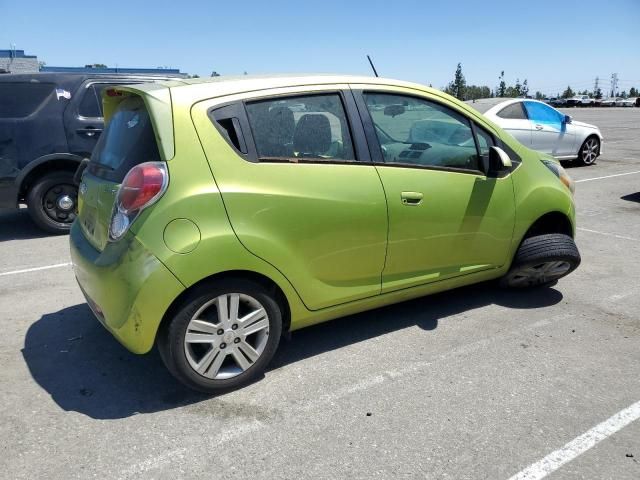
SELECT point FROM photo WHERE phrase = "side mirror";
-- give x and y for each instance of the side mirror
(567, 119)
(498, 160)
(393, 110)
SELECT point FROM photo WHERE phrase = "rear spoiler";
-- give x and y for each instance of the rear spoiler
(157, 99)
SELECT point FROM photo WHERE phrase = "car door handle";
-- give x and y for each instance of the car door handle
(539, 127)
(411, 198)
(89, 131)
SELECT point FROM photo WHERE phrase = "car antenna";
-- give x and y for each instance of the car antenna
(372, 67)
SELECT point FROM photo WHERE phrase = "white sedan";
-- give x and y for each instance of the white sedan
(542, 127)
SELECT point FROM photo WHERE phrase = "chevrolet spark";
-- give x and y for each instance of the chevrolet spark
(216, 215)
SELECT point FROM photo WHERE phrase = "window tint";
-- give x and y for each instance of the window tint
(541, 113)
(309, 127)
(485, 140)
(91, 103)
(513, 112)
(18, 100)
(128, 139)
(416, 131)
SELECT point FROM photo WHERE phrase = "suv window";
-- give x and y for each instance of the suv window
(302, 127)
(91, 103)
(513, 112)
(19, 100)
(420, 132)
(128, 140)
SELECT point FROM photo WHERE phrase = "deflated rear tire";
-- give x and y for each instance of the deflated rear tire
(222, 337)
(542, 260)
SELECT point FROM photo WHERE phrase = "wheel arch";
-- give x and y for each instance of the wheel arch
(550, 222)
(41, 166)
(258, 278)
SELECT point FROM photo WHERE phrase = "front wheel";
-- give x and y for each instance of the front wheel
(52, 202)
(541, 260)
(223, 337)
(589, 151)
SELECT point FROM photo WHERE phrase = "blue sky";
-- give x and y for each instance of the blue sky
(551, 43)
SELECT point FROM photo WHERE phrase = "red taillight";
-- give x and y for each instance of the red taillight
(140, 186)
(112, 92)
(143, 185)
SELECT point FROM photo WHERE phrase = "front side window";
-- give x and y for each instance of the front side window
(544, 114)
(310, 127)
(419, 132)
(513, 112)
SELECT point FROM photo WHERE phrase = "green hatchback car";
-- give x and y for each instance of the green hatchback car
(216, 215)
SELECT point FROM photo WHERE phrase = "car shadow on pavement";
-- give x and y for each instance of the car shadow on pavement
(16, 225)
(632, 197)
(84, 369)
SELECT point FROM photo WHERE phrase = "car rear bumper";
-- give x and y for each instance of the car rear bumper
(126, 286)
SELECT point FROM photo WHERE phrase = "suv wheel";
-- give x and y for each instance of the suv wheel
(53, 202)
(541, 260)
(589, 151)
(223, 336)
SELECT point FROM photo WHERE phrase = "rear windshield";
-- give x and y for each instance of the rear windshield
(127, 141)
(19, 100)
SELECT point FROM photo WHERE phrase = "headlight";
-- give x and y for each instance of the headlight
(561, 173)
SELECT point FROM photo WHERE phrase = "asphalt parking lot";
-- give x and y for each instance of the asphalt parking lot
(471, 384)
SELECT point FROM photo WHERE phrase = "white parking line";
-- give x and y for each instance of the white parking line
(607, 176)
(35, 269)
(579, 445)
(623, 237)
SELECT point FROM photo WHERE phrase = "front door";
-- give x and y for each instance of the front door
(446, 218)
(299, 190)
(549, 130)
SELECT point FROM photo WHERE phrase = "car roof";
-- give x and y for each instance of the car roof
(229, 85)
(72, 78)
(483, 105)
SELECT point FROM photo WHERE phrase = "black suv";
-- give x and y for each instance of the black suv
(49, 122)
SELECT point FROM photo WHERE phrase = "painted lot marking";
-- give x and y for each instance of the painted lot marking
(623, 237)
(579, 445)
(607, 176)
(35, 269)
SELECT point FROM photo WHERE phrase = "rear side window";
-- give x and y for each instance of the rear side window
(513, 112)
(128, 140)
(19, 100)
(91, 103)
(301, 128)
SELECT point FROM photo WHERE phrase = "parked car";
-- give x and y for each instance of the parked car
(543, 128)
(610, 102)
(213, 218)
(626, 102)
(580, 101)
(49, 122)
(558, 102)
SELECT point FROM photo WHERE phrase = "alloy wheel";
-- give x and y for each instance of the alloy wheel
(538, 274)
(226, 336)
(590, 151)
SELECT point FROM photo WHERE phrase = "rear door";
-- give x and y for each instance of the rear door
(83, 118)
(513, 119)
(549, 130)
(294, 172)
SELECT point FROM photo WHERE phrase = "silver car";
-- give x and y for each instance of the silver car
(542, 127)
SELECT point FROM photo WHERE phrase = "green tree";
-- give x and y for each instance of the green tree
(539, 95)
(96, 65)
(568, 93)
(633, 92)
(624, 94)
(525, 88)
(502, 87)
(215, 74)
(458, 86)
(474, 92)
(598, 94)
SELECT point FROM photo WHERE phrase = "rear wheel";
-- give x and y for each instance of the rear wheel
(541, 260)
(52, 202)
(589, 151)
(223, 336)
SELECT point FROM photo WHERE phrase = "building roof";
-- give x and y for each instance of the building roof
(15, 54)
(94, 70)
